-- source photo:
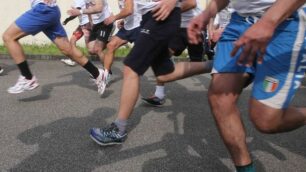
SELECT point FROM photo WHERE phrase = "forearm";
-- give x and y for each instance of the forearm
(281, 10)
(188, 5)
(215, 6)
(123, 13)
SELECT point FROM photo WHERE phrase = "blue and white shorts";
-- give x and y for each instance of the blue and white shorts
(42, 18)
(279, 76)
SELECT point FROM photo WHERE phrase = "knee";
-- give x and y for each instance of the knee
(129, 73)
(6, 37)
(111, 46)
(219, 101)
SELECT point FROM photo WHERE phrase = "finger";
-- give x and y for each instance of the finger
(252, 56)
(237, 45)
(244, 54)
(261, 54)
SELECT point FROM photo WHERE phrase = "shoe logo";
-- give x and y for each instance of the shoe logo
(145, 31)
(270, 84)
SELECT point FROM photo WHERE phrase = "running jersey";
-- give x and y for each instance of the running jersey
(223, 17)
(83, 4)
(100, 17)
(188, 15)
(251, 8)
(145, 6)
(132, 21)
(35, 2)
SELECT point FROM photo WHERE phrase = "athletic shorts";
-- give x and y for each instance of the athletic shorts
(279, 76)
(42, 18)
(151, 46)
(180, 42)
(101, 32)
(128, 35)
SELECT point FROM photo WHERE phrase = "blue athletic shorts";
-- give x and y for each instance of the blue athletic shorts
(128, 35)
(279, 76)
(42, 18)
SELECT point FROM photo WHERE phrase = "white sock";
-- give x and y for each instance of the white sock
(160, 91)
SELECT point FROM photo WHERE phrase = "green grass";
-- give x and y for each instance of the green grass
(51, 49)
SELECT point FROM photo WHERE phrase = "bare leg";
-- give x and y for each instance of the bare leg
(129, 93)
(71, 51)
(271, 120)
(112, 46)
(10, 39)
(186, 69)
(223, 93)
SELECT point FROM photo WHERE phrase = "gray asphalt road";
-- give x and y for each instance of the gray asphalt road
(47, 129)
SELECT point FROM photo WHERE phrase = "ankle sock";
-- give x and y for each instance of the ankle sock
(121, 124)
(246, 168)
(25, 70)
(92, 69)
(160, 91)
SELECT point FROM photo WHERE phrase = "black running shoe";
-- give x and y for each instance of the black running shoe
(154, 101)
(107, 136)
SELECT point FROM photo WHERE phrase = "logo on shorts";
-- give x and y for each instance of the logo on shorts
(145, 31)
(270, 84)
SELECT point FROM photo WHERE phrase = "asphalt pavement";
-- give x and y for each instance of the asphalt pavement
(47, 129)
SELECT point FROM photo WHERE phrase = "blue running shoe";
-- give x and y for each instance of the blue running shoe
(107, 136)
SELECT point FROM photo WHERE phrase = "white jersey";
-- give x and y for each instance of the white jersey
(188, 15)
(223, 17)
(251, 8)
(83, 4)
(100, 17)
(132, 21)
(35, 2)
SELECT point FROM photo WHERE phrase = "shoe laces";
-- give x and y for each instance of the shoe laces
(110, 130)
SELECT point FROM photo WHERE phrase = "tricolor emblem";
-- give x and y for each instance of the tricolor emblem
(270, 84)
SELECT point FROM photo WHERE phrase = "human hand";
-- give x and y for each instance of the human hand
(111, 19)
(254, 43)
(196, 26)
(120, 24)
(163, 9)
(74, 12)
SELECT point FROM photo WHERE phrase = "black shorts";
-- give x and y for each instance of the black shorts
(180, 42)
(101, 32)
(151, 46)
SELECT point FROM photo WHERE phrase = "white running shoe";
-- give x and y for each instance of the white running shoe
(100, 82)
(68, 62)
(23, 84)
(1, 70)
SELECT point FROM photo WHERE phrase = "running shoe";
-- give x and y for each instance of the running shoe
(100, 82)
(107, 136)
(68, 62)
(23, 84)
(1, 70)
(154, 101)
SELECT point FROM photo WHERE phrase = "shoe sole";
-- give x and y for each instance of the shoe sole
(104, 144)
(146, 102)
(32, 88)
